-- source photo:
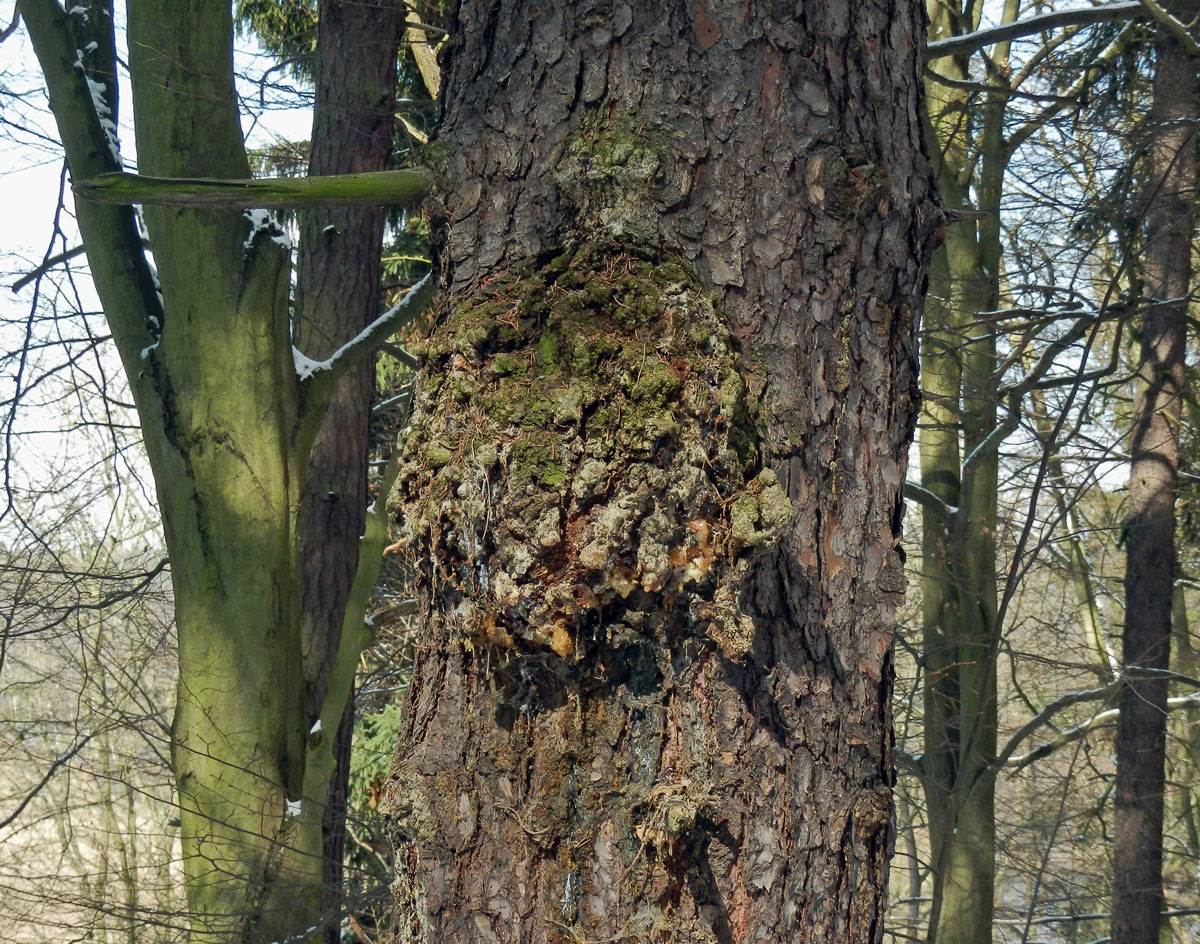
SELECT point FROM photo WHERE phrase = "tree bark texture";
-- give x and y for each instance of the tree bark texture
(338, 294)
(651, 487)
(1150, 530)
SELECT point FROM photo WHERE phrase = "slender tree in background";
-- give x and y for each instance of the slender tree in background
(338, 294)
(652, 483)
(1153, 482)
(960, 452)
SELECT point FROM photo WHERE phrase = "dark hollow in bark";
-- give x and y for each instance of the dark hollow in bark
(651, 486)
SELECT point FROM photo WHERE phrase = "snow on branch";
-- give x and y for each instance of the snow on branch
(1103, 693)
(380, 188)
(1078, 16)
(412, 304)
(1098, 720)
(1177, 30)
(1008, 758)
(930, 502)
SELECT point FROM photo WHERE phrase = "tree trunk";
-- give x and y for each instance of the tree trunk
(225, 373)
(338, 295)
(1153, 477)
(227, 424)
(651, 487)
(959, 466)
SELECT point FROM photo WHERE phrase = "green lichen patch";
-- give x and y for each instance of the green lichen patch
(613, 168)
(583, 448)
(760, 513)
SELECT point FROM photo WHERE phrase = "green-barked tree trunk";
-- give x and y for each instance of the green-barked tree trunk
(651, 488)
(229, 417)
(959, 454)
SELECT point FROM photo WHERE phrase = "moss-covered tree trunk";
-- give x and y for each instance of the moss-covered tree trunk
(1153, 483)
(651, 488)
(959, 469)
(228, 425)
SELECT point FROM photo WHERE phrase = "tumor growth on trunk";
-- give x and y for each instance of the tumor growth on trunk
(586, 450)
(650, 487)
(582, 493)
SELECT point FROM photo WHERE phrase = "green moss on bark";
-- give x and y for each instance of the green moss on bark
(589, 446)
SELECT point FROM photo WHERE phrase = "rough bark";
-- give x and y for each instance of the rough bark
(1153, 479)
(338, 294)
(651, 488)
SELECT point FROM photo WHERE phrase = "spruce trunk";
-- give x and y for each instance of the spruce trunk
(651, 487)
(338, 295)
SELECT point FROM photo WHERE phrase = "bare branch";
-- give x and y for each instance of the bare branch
(381, 188)
(12, 26)
(1005, 757)
(929, 501)
(1080, 16)
(328, 371)
(1074, 734)
(1176, 30)
(46, 267)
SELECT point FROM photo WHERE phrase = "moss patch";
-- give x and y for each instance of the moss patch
(585, 448)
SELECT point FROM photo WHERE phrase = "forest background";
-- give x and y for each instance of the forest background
(1009, 663)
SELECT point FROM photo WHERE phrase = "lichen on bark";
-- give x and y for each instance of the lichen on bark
(586, 448)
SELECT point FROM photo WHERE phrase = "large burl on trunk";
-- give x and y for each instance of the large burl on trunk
(651, 486)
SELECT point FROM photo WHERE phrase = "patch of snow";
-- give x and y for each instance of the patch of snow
(146, 350)
(91, 47)
(261, 220)
(315, 729)
(329, 229)
(306, 366)
(293, 808)
(78, 11)
(104, 113)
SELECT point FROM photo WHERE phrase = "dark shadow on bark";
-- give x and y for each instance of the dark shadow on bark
(701, 880)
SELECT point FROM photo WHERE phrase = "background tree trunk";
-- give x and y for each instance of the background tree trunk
(959, 466)
(338, 294)
(1153, 482)
(652, 482)
(232, 410)
(227, 426)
